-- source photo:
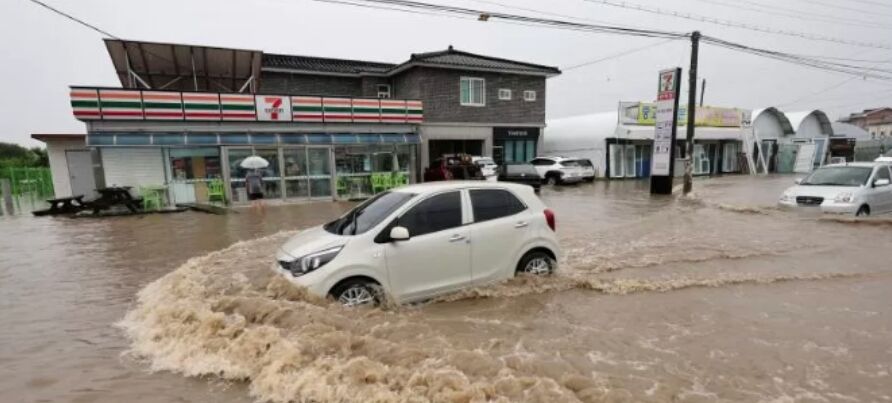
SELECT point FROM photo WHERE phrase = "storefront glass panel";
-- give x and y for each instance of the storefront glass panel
(319, 168)
(192, 170)
(272, 178)
(296, 179)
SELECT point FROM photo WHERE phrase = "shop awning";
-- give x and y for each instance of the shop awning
(136, 139)
(642, 132)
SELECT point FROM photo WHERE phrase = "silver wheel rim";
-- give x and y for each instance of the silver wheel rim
(539, 265)
(355, 296)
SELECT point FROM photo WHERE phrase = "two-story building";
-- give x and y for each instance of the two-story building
(186, 116)
(877, 122)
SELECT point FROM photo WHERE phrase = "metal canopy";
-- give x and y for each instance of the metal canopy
(176, 67)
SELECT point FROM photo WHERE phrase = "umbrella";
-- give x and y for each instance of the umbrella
(254, 162)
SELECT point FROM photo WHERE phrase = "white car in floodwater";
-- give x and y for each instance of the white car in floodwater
(420, 241)
(860, 188)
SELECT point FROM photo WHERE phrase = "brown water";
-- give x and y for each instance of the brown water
(718, 296)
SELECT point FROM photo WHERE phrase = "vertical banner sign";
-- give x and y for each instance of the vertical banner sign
(273, 108)
(664, 132)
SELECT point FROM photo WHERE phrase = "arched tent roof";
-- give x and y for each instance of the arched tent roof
(798, 118)
(583, 129)
(785, 124)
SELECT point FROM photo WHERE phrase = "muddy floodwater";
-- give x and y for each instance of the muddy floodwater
(715, 297)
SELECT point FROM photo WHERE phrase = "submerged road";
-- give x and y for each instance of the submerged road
(714, 297)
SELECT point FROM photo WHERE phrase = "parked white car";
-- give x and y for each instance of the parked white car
(558, 170)
(860, 188)
(420, 241)
(588, 169)
(885, 158)
(488, 168)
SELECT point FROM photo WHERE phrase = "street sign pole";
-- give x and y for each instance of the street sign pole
(663, 159)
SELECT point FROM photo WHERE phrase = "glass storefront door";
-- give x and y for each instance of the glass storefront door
(195, 175)
(272, 178)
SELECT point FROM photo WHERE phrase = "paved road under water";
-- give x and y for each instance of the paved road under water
(714, 297)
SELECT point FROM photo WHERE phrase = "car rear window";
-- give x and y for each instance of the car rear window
(573, 163)
(490, 204)
(585, 163)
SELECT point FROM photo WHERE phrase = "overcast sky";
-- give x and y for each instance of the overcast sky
(44, 53)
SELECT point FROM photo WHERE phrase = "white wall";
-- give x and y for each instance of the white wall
(59, 164)
(132, 166)
(810, 128)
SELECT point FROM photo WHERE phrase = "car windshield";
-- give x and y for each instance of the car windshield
(571, 163)
(838, 176)
(485, 161)
(517, 169)
(368, 214)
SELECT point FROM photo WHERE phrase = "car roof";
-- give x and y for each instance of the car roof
(431, 187)
(855, 164)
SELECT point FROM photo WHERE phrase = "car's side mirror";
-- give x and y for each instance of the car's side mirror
(881, 182)
(399, 233)
(797, 181)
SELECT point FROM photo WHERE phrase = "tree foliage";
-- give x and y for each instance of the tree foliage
(14, 155)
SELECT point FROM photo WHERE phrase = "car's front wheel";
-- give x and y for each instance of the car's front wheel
(536, 263)
(357, 292)
(552, 180)
(863, 211)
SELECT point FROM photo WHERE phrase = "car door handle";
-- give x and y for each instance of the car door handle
(456, 238)
(521, 224)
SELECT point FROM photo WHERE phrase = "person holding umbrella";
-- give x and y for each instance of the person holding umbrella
(254, 179)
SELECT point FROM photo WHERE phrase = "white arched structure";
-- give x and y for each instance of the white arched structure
(771, 123)
(582, 136)
(812, 127)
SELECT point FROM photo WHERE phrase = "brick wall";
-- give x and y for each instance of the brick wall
(439, 89)
(305, 84)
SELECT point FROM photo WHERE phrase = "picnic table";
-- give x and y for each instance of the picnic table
(115, 196)
(63, 205)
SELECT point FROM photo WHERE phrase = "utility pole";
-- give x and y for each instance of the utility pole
(692, 108)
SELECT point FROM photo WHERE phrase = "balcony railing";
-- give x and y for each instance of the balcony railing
(90, 103)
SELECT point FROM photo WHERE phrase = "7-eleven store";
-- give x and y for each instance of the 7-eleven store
(318, 147)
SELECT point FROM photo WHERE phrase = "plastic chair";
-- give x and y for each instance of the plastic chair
(400, 179)
(216, 191)
(378, 183)
(151, 198)
(341, 185)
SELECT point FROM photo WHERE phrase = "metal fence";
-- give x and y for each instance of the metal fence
(28, 181)
(869, 150)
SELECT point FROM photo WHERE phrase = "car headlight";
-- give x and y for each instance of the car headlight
(844, 197)
(313, 261)
(786, 197)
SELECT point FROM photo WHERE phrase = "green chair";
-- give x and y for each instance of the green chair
(151, 198)
(341, 186)
(400, 179)
(216, 191)
(379, 183)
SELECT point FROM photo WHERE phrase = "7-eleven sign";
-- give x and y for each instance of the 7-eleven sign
(273, 108)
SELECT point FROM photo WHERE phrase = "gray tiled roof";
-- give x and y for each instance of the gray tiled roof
(448, 57)
(322, 64)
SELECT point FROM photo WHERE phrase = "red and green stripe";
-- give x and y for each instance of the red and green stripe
(337, 109)
(393, 111)
(414, 111)
(198, 106)
(306, 109)
(85, 103)
(161, 105)
(238, 107)
(121, 105)
(366, 110)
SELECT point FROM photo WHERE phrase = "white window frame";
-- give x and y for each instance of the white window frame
(529, 95)
(383, 94)
(505, 94)
(471, 80)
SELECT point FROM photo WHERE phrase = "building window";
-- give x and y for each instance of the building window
(529, 96)
(504, 94)
(473, 91)
(384, 91)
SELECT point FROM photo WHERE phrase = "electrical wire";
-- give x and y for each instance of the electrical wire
(838, 7)
(800, 15)
(616, 55)
(734, 24)
(75, 19)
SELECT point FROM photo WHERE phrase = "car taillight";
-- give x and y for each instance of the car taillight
(549, 218)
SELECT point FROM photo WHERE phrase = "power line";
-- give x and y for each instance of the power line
(797, 14)
(73, 18)
(616, 55)
(874, 3)
(838, 7)
(734, 24)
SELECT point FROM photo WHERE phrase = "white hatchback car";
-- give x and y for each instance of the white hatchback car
(488, 168)
(860, 188)
(424, 240)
